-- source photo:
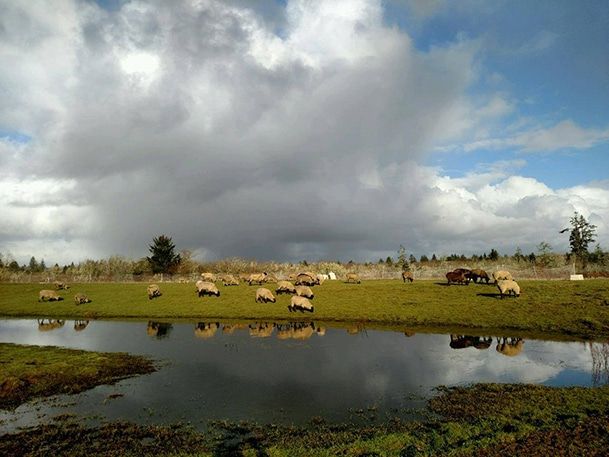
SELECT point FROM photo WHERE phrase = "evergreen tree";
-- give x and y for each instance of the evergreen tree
(493, 255)
(424, 258)
(402, 261)
(389, 260)
(42, 266)
(582, 234)
(163, 258)
(33, 265)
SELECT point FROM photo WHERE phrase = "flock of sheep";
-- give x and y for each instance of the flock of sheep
(503, 279)
(301, 288)
(52, 295)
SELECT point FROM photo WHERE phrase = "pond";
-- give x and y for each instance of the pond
(290, 372)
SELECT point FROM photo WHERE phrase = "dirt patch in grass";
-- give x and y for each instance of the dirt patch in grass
(27, 372)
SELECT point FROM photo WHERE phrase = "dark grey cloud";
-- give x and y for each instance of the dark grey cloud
(242, 129)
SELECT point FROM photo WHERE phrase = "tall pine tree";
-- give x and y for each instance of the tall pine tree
(163, 258)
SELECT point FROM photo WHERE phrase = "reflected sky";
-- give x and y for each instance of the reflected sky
(289, 373)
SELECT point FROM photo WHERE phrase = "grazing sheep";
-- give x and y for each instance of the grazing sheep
(502, 275)
(153, 291)
(304, 291)
(261, 330)
(456, 278)
(285, 287)
(353, 277)
(407, 275)
(292, 277)
(322, 277)
(81, 298)
(205, 331)
(307, 279)
(508, 287)
(48, 295)
(509, 346)
(61, 285)
(230, 280)
(257, 277)
(206, 288)
(209, 277)
(79, 326)
(300, 304)
(51, 325)
(478, 275)
(264, 295)
(466, 272)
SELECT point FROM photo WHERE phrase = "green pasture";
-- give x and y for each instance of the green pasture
(570, 308)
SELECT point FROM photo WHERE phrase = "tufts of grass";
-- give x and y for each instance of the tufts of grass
(551, 307)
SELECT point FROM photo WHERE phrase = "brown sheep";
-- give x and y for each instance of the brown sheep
(407, 276)
(478, 275)
(456, 278)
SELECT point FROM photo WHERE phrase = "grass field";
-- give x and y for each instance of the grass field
(32, 371)
(570, 308)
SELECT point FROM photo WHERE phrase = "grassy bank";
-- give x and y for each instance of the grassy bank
(27, 372)
(483, 420)
(576, 308)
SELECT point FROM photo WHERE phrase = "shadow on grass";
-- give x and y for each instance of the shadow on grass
(496, 295)
(446, 284)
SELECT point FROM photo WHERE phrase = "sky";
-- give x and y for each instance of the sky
(301, 129)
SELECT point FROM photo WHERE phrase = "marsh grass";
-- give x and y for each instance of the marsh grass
(480, 420)
(574, 308)
(34, 371)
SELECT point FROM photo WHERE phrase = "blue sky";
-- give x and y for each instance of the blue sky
(302, 128)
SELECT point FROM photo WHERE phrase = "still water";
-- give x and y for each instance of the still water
(289, 372)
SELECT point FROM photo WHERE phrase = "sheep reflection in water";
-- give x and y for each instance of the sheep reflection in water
(229, 329)
(466, 341)
(79, 326)
(298, 330)
(52, 324)
(158, 329)
(261, 329)
(206, 330)
(509, 346)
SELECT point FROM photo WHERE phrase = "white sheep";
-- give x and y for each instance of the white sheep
(209, 277)
(207, 288)
(49, 295)
(153, 291)
(300, 304)
(264, 295)
(285, 287)
(304, 291)
(508, 287)
(502, 275)
(257, 277)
